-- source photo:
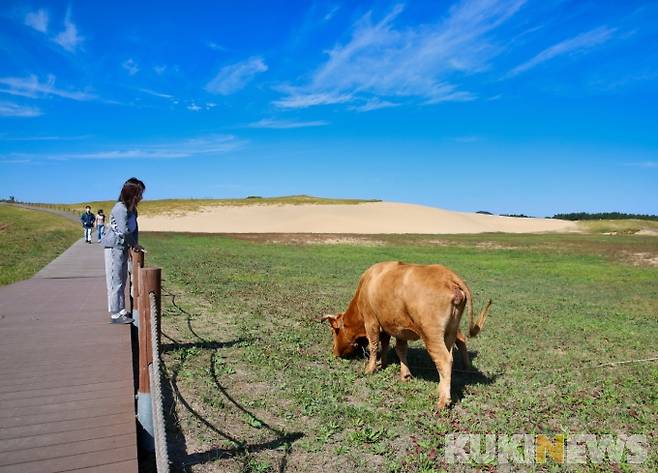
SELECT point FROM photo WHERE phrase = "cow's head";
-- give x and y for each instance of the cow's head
(345, 339)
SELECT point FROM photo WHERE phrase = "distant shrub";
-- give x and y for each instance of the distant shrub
(516, 215)
(254, 197)
(483, 212)
(604, 216)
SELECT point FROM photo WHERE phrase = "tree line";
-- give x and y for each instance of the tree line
(604, 216)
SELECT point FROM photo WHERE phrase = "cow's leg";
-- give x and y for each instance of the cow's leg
(401, 350)
(460, 341)
(442, 357)
(372, 332)
(385, 340)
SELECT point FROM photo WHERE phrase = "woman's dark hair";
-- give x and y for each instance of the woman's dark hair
(100, 211)
(134, 180)
(131, 194)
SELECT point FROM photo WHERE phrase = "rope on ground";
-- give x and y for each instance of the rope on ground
(159, 430)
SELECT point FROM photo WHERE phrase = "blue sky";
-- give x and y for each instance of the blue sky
(517, 106)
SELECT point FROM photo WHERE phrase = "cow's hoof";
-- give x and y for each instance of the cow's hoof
(406, 377)
(443, 404)
(370, 369)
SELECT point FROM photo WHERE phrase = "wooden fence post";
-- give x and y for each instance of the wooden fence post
(149, 282)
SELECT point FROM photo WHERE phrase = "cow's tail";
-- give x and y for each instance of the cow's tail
(474, 327)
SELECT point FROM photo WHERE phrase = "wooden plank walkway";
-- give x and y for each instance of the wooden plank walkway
(66, 376)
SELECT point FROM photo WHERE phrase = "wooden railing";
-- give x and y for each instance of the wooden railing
(146, 303)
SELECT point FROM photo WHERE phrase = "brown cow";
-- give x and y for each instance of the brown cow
(408, 302)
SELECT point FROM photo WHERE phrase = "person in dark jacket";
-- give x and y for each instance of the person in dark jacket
(87, 219)
(121, 235)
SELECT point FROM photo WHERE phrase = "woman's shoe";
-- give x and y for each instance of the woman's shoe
(122, 319)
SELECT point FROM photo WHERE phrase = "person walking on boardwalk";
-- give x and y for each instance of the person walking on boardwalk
(121, 235)
(100, 224)
(87, 219)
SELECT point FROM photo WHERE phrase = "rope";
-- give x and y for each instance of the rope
(159, 431)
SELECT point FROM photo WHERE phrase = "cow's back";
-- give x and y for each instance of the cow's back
(408, 299)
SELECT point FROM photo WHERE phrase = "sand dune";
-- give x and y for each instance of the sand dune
(369, 218)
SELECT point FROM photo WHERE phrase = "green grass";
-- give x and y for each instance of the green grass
(30, 239)
(626, 226)
(256, 382)
(181, 206)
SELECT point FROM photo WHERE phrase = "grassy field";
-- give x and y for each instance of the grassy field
(628, 226)
(256, 388)
(181, 206)
(30, 239)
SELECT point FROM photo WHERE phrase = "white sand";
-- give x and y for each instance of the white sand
(370, 218)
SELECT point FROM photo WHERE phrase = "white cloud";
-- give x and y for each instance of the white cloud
(302, 100)
(9, 109)
(69, 38)
(285, 124)
(234, 77)
(131, 66)
(31, 87)
(331, 13)
(37, 20)
(205, 146)
(374, 104)
(159, 70)
(156, 93)
(215, 46)
(422, 62)
(577, 44)
(45, 138)
(194, 107)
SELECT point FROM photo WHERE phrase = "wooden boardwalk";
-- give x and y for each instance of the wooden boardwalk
(66, 376)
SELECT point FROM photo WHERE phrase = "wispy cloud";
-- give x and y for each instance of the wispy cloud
(159, 70)
(32, 87)
(215, 46)
(644, 164)
(331, 13)
(234, 77)
(194, 107)
(206, 146)
(424, 62)
(575, 45)
(156, 93)
(285, 124)
(297, 99)
(374, 104)
(130, 66)
(45, 138)
(9, 109)
(14, 161)
(69, 39)
(37, 20)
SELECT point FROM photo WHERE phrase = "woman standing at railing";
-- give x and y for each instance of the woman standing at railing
(121, 235)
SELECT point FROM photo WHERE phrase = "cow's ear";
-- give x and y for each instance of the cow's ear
(335, 320)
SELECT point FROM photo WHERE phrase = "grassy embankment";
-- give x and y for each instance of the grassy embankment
(30, 239)
(256, 386)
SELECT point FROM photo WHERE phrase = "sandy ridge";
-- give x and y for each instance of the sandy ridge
(369, 218)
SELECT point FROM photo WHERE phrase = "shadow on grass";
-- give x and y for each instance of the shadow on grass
(239, 449)
(423, 367)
